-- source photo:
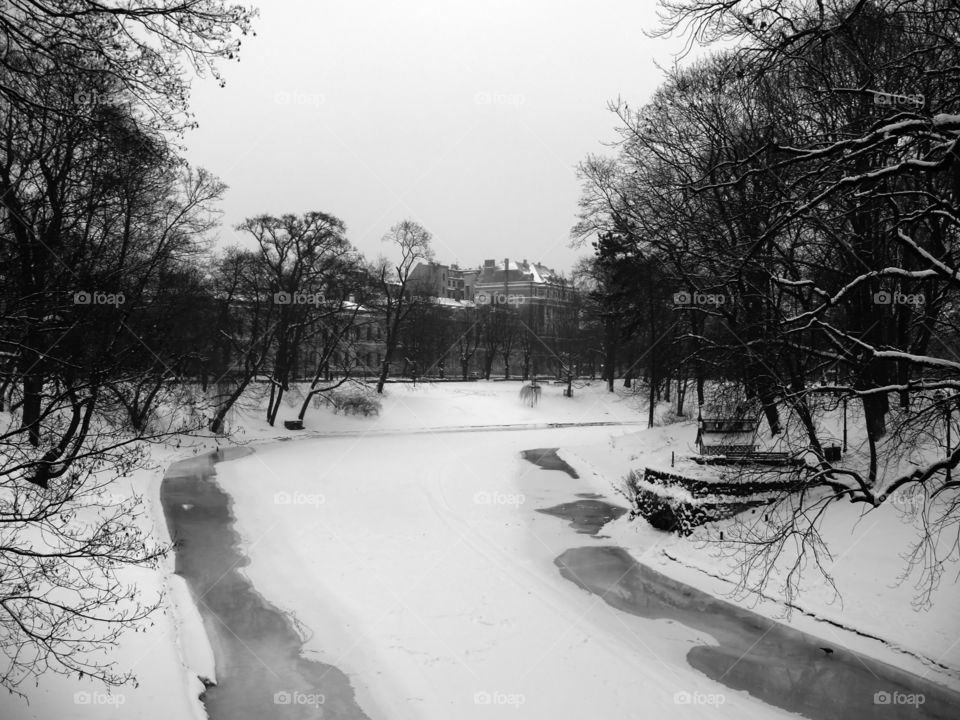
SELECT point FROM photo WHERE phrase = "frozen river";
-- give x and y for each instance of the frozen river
(257, 647)
(420, 577)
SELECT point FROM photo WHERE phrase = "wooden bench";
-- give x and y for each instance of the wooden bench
(726, 436)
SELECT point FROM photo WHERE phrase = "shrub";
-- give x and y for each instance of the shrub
(356, 403)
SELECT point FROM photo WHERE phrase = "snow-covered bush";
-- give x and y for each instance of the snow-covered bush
(530, 394)
(356, 402)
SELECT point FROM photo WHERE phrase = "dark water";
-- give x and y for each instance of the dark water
(548, 459)
(781, 666)
(261, 674)
(585, 516)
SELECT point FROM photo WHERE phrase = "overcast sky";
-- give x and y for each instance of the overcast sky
(468, 117)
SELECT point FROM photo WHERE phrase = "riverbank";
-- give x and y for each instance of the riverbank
(364, 535)
(871, 606)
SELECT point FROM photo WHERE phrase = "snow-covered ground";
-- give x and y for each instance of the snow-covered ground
(874, 592)
(167, 654)
(414, 557)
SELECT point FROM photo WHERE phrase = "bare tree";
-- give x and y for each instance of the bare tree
(141, 46)
(246, 324)
(303, 257)
(468, 337)
(809, 178)
(94, 210)
(395, 287)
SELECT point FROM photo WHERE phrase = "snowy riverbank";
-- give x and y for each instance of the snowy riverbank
(415, 562)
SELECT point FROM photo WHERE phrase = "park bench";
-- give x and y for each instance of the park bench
(726, 436)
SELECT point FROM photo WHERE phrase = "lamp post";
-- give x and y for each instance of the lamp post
(844, 423)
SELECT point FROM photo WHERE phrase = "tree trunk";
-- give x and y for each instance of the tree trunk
(384, 371)
(32, 390)
(216, 425)
(875, 408)
(681, 391)
(903, 366)
(610, 352)
(652, 398)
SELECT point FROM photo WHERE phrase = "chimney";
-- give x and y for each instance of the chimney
(506, 276)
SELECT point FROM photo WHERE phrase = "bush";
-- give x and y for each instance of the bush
(356, 403)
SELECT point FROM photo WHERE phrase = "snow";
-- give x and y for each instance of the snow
(427, 577)
(195, 645)
(867, 543)
(412, 554)
(167, 686)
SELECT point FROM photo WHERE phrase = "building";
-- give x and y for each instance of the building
(520, 278)
(458, 328)
(543, 297)
(444, 281)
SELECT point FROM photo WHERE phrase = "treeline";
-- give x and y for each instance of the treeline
(102, 227)
(783, 218)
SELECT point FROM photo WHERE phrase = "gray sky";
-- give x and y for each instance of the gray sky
(468, 117)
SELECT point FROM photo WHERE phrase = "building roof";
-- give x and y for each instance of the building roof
(493, 271)
(450, 302)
